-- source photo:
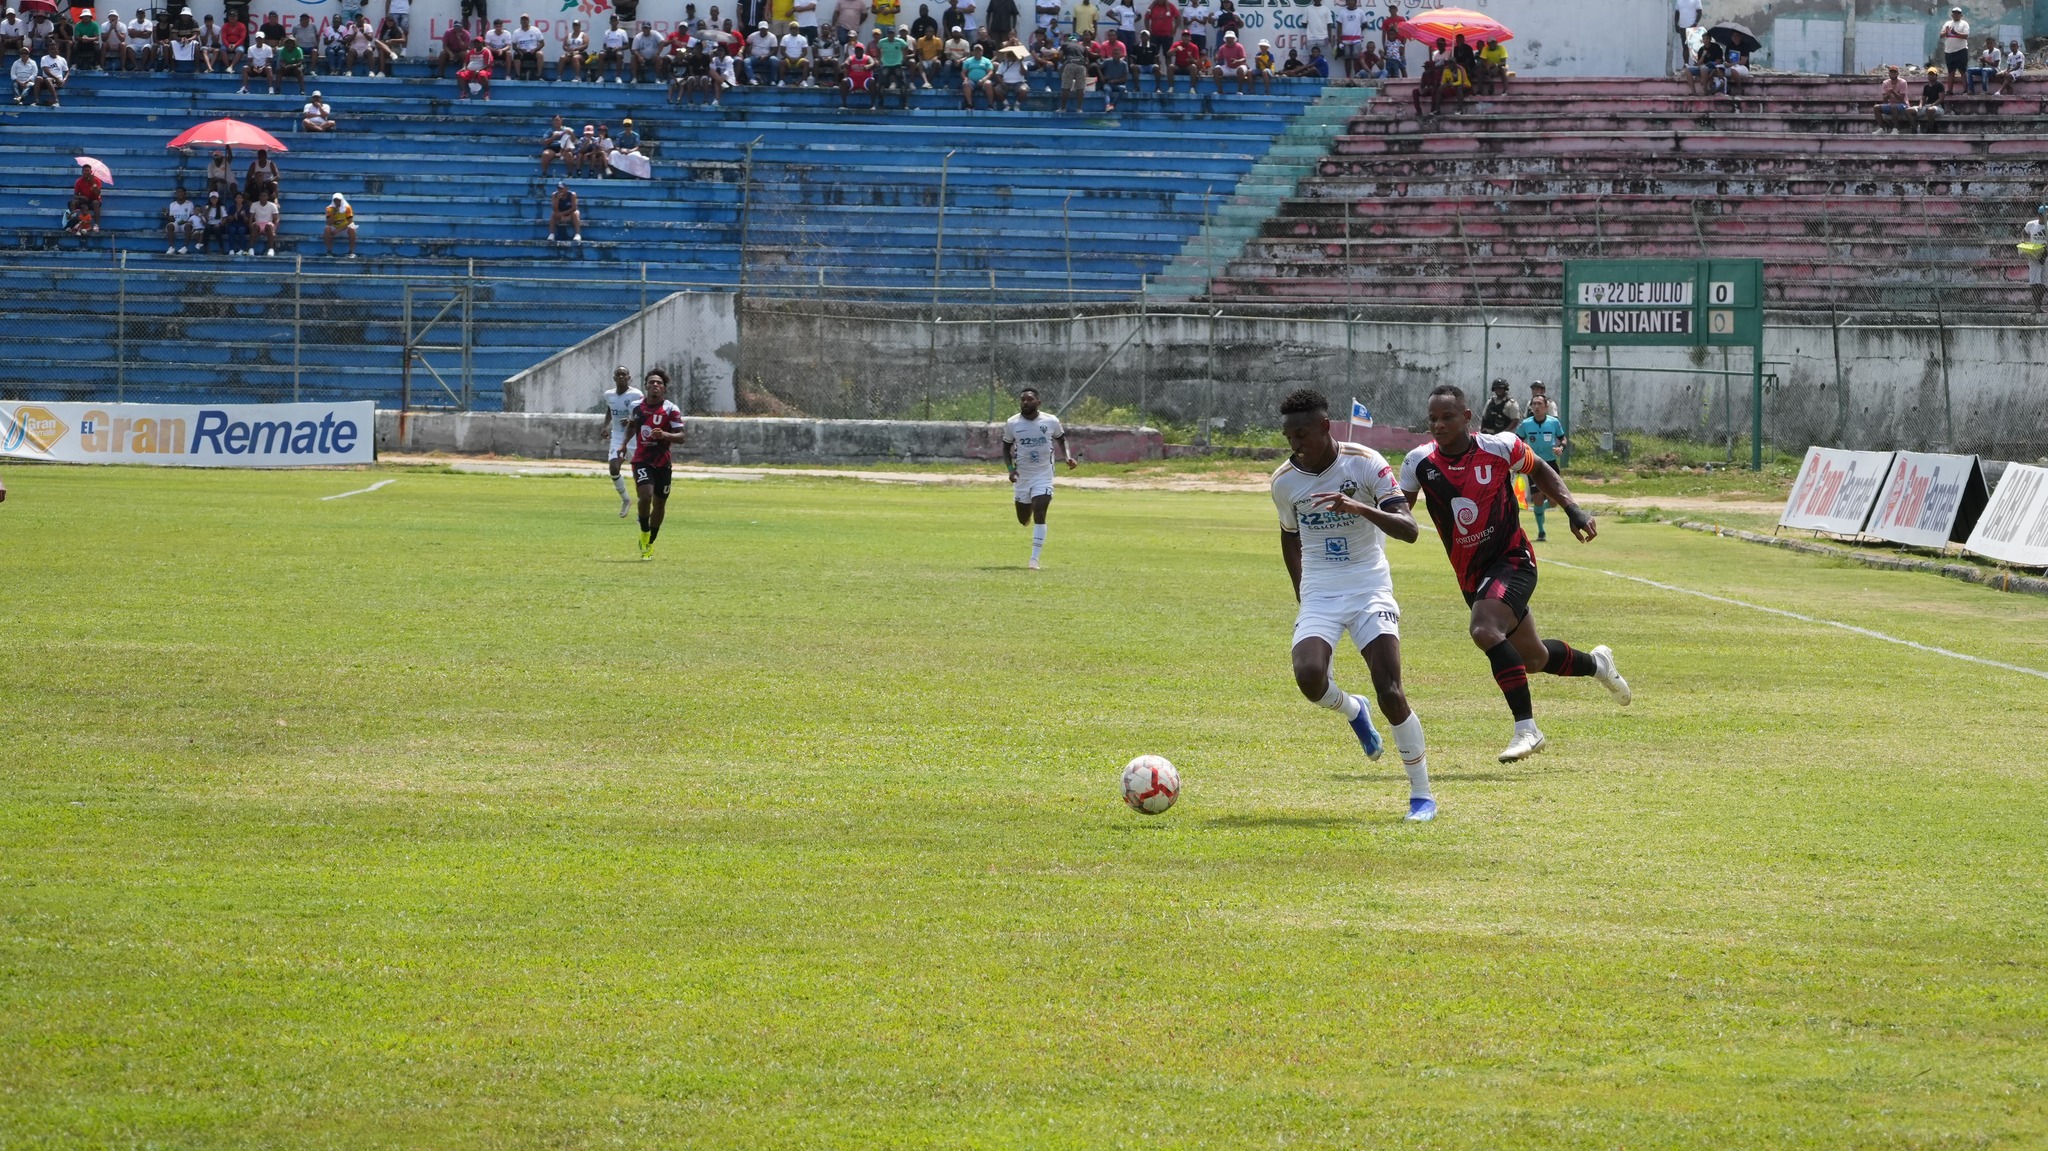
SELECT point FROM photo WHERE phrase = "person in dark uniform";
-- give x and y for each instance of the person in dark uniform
(1502, 413)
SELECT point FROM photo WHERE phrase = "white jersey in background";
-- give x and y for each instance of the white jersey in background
(619, 405)
(1345, 581)
(1033, 441)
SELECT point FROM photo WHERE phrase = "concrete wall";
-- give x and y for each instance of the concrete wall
(742, 441)
(1186, 367)
(690, 335)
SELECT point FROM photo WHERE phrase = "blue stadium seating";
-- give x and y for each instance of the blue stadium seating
(846, 198)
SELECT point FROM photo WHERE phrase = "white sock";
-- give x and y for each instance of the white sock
(1341, 702)
(1522, 725)
(1037, 539)
(619, 482)
(1414, 757)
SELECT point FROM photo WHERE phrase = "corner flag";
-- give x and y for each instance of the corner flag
(1361, 416)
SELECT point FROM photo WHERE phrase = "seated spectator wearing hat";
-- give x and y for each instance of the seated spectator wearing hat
(27, 75)
(977, 77)
(1184, 58)
(558, 144)
(794, 65)
(592, 157)
(14, 34)
(85, 43)
(263, 217)
(260, 64)
(1232, 64)
(214, 221)
(860, 75)
(1927, 110)
(1265, 66)
(454, 47)
(929, 55)
(575, 49)
(1013, 75)
(764, 48)
(1892, 110)
(644, 53)
(529, 50)
(291, 63)
(612, 48)
(565, 215)
(316, 116)
(341, 221)
(182, 223)
(1146, 61)
(1492, 75)
(86, 190)
(474, 79)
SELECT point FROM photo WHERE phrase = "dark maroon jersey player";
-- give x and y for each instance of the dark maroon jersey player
(654, 428)
(1469, 483)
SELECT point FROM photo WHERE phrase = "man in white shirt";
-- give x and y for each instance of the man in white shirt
(182, 223)
(763, 47)
(141, 43)
(56, 74)
(2034, 238)
(1349, 21)
(316, 116)
(796, 62)
(1029, 438)
(261, 62)
(613, 47)
(618, 412)
(528, 48)
(1199, 17)
(27, 76)
(806, 14)
(1955, 45)
(1337, 503)
(646, 49)
(1126, 15)
(263, 216)
(13, 33)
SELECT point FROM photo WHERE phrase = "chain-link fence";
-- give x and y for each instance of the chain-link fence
(449, 337)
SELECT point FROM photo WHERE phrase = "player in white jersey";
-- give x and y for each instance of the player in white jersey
(618, 410)
(1028, 441)
(1337, 503)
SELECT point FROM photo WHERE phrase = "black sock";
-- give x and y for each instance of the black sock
(643, 521)
(654, 533)
(1566, 660)
(1513, 677)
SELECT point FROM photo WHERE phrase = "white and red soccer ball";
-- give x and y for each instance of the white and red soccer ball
(1150, 784)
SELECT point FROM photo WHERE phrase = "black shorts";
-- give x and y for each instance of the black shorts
(660, 477)
(1508, 583)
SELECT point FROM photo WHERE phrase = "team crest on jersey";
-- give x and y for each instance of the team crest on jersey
(1337, 548)
(1465, 513)
(1348, 487)
(1483, 473)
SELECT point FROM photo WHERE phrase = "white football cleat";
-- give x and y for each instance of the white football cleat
(1524, 745)
(1604, 671)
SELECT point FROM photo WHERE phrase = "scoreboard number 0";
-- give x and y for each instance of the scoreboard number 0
(1721, 292)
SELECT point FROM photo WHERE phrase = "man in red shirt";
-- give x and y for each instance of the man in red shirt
(454, 47)
(475, 73)
(1184, 59)
(86, 189)
(1232, 65)
(655, 426)
(1162, 19)
(1470, 484)
(860, 73)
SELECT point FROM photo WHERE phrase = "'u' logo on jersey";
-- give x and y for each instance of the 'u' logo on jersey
(1483, 473)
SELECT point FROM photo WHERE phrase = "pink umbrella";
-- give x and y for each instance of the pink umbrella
(98, 169)
(227, 134)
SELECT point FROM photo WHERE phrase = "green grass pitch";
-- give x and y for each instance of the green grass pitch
(433, 818)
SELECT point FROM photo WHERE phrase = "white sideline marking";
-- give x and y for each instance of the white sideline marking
(358, 491)
(1862, 631)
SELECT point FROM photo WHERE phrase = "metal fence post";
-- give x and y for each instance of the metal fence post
(405, 351)
(298, 316)
(746, 209)
(468, 336)
(939, 249)
(1145, 334)
(121, 330)
(642, 324)
(991, 345)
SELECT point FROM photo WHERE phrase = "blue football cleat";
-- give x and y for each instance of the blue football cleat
(1421, 810)
(1368, 735)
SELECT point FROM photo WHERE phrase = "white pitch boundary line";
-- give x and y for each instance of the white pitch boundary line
(1862, 631)
(358, 491)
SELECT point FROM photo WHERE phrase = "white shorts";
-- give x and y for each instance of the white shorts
(618, 443)
(1367, 614)
(1028, 490)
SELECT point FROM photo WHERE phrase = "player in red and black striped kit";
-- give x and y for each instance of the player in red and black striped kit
(655, 426)
(1469, 480)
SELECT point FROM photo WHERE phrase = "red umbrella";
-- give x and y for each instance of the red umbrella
(39, 7)
(104, 173)
(227, 134)
(1450, 23)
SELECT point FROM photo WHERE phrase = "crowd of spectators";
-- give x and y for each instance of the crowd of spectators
(238, 215)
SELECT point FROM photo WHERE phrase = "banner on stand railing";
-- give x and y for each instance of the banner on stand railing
(1835, 490)
(192, 435)
(2014, 526)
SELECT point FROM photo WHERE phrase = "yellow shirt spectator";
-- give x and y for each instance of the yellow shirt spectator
(885, 13)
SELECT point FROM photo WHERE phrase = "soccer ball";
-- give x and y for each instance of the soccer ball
(1150, 784)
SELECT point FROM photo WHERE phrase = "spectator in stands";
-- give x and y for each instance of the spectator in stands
(86, 192)
(1045, 57)
(1013, 75)
(139, 51)
(163, 41)
(794, 65)
(1294, 67)
(763, 48)
(558, 144)
(925, 24)
(454, 49)
(399, 12)
(391, 38)
(1705, 74)
(1046, 17)
(847, 16)
(209, 47)
(27, 75)
(1265, 66)
(291, 63)
(1493, 68)
(613, 48)
(860, 74)
(885, 13)
(1162, 20)
(56, 74)
(1685, 15)
(316, 116)
(1892, 109)
(529, 50)
(1113, 76)
(334, 47)
(575, 48)
(238, 226)
(261, 64)
(644, 51)
(591, 156)
(220, 173)
(14, 34)
(474, 79)
(930, 56)
(306, 35)
(182, 222)
(977, 73)
(363, 46)
(213, 222)
(1197, 20)
(892, 58)
(1736, 74)
(805, 13)
(2009, 68)
(85, 43)
(263, 217)
(184, 51)
(272, 28)
(1393, 42)
(1147, 61)
(627, 140)
(498, 39)
(1502, 413)
(1073, 64)
(40, 32)
(2033, 246)
(683, 65)
(825, 62)
(113, 42)
(341, 221)
(565, 215)
(1955, 43)
(1232, 64)
(261, 180)
(1927, 111)
(1184, 58)
(1986, 67)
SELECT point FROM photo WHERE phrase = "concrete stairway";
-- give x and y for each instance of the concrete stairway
(1485, 203)
(1260, 193)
